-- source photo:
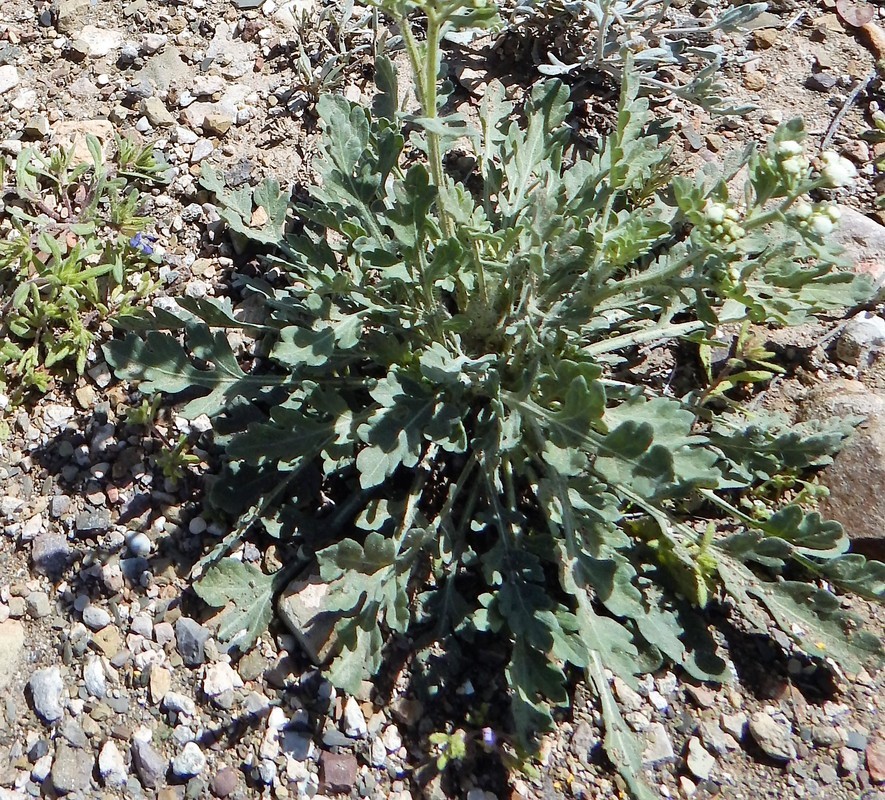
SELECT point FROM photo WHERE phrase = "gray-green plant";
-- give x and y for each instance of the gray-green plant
(435, 419)
(71, 254)
(674, 54)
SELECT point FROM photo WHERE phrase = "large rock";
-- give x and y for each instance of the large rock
(864, 241)
(856, 480)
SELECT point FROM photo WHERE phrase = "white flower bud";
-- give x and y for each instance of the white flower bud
(794, 165)
(715, 212)
(803, 210)
(833, 212)
(835, 170)
(787, 149)
(822, 224)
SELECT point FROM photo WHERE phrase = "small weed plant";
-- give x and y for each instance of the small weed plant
(433, 419)
(673, 54)
(72, 254)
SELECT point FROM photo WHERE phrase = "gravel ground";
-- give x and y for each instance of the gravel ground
(112, 682)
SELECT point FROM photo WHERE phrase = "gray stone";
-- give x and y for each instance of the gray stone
(202, 149)
(100, 42)
(189, 762)
(149, 764)
(699, 762)
(74, 734)
(50, 553)
(659, 747)
(39, 605)
(166, 68)
(715, 739)
(827, 736)
(37, 127)
(862, 336)
(95, 618)
(864, 241)
(46, 689)
(12, 640)
(849, 760)
(297, 744)
(59, 506)
(774, 738)
(190, 639)
(111, 766)
(301, 609)
(95, 519)
(71, 771)
(820, 82)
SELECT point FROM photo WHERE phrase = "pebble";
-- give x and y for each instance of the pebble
(190, 639)
(202, 149)
(699, 762)
(224, 782)
(98, 519)
(149, 764)
(189, 762)
(735, 725)
(38, 605)
(659, 747)
(139, 545)
(111, 766)
(774, 738)
(95, 618)
(71, 772)
(50, 552)
(94, 677)
(220, 678)
(46, 690)
(821, 82)
(876, 757)
(8, 78)
(354, 721)
(159, 682)
(173, 701)
(849, 760)
(862, 336)
(337, 772)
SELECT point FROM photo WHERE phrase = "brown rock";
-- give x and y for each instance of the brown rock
(876, 757)
(855, 480)
(337, 772)
(864, 241)
(218, 124)
(224, 782)
(755, 81)
(765, 38)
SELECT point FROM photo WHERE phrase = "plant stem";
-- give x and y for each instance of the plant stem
(426, 69)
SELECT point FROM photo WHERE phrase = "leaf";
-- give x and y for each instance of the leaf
(245, 593)
(814, 620)
(160, 364)
(854, 573)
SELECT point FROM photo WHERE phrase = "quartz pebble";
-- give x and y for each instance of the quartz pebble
(189, 762)
(46, 690)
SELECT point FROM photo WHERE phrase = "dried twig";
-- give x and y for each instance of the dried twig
(849, 101)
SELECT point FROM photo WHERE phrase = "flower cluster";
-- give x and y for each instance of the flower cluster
(722, 222)
(820, 218)
(790, 158)
(836, 170)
